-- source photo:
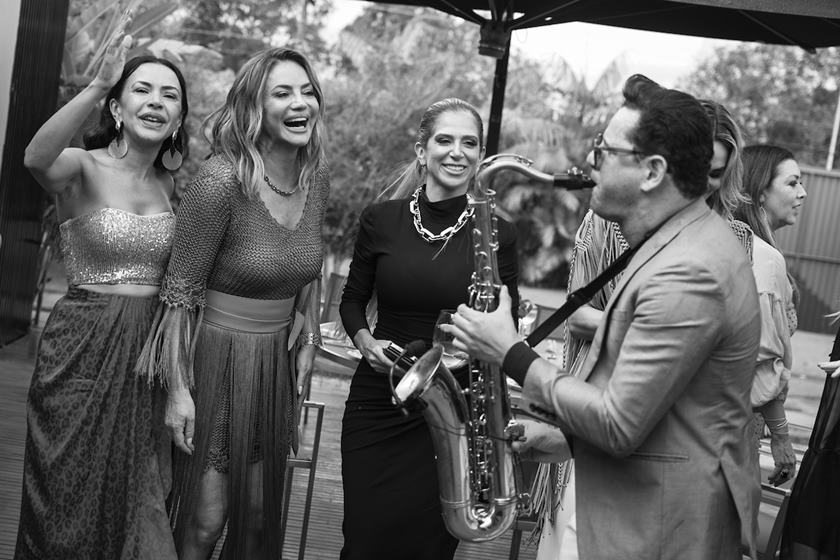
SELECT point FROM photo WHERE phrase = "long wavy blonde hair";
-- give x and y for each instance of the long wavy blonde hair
(730, 195)
(238, 125)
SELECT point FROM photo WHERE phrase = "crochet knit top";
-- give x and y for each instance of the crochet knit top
(230, 243)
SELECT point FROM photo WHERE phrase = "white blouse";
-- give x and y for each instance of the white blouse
(778, 321)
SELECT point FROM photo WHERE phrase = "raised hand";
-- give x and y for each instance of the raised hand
(114, 58)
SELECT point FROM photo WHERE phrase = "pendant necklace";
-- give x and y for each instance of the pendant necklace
(444, 235)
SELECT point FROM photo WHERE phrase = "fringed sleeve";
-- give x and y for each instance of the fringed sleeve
(202, 221)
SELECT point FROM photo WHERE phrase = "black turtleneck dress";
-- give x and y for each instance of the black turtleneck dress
(391, 500)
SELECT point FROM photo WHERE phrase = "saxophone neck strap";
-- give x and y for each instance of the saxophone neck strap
(582, 295)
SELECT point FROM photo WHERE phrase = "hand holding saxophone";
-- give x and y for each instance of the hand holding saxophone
(485, 336)
(541, 442)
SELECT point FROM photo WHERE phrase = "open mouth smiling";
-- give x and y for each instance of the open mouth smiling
(152, 118)
(298, 123)
(454, 167)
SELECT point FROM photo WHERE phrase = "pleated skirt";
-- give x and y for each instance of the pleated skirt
(96, 459)
(244, 424)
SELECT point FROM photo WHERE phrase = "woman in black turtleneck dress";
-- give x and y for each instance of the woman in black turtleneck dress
(414, 252)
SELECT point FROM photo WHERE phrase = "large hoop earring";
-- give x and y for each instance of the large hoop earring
(172, 158)
(118, 146)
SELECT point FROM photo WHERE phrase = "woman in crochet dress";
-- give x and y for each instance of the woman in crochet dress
(237, 337)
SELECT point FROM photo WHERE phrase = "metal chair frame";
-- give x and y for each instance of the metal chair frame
(310, 463)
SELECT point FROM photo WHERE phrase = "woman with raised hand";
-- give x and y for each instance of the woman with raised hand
(238, 333)
(414, 254)
(774, 191)
(94, 484)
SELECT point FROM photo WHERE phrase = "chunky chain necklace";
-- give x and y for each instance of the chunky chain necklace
(427, 235)
(278, 190)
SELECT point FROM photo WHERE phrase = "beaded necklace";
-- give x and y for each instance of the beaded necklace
(278, 190)
(444, 235)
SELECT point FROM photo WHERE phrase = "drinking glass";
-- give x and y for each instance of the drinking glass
(453, 358)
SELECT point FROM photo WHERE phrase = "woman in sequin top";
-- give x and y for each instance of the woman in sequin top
(414, 252)
(94, 484)
(236, 341)
(774, 196)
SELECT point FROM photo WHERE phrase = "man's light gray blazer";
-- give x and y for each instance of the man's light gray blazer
(660, 416)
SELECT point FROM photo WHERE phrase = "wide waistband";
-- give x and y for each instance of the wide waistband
(246, 314)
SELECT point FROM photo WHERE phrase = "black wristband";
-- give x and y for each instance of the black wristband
(517, 361)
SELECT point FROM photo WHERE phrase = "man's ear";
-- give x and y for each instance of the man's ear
(656, 168)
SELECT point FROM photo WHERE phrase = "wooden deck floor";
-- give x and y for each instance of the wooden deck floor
(324, 539)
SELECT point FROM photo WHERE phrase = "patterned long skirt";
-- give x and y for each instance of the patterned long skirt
(95, 467)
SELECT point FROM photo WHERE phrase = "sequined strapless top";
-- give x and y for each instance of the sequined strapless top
(112, 246)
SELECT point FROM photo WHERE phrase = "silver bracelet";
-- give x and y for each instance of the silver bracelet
(309, 339)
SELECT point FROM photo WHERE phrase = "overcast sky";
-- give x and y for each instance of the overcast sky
(589, 48)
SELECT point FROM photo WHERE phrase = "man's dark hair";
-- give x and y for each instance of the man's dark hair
(674, 125)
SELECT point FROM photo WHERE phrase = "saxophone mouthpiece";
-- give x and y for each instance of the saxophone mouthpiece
(574, 179)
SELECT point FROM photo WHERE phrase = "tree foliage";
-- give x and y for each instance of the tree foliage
(239, 29)
(779, 95)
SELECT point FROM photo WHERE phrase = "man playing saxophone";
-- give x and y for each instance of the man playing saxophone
(658, 419)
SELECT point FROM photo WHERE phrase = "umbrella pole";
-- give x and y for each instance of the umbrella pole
(497, 103)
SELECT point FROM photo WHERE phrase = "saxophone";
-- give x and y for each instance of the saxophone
(478, 473)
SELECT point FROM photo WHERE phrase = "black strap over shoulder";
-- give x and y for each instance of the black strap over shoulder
(580, 296)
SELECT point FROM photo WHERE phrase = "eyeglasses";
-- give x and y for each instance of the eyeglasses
(599, 146)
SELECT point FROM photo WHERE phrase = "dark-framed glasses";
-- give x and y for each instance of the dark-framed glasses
(599, 146)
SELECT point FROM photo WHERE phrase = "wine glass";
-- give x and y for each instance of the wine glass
(453, 358)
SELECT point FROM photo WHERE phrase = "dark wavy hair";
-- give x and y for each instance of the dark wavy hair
(106, 129)
(674, 125)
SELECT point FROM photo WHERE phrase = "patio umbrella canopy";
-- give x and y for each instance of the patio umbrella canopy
(809, 24)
